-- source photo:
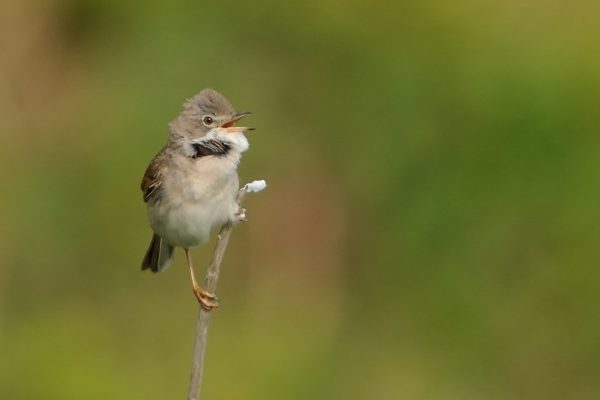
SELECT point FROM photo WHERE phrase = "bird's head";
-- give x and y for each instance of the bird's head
(209, 115)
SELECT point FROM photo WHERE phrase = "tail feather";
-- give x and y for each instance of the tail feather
(158, 256)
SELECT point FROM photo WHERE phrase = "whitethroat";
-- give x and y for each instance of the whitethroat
(190, 186)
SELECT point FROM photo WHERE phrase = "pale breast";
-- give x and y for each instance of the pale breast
(199, 195)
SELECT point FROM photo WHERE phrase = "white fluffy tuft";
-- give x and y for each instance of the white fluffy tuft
(256, 186)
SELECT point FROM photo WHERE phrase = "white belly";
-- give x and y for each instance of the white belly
(194, 203)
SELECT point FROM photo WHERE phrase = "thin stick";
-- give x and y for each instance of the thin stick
(210, 284)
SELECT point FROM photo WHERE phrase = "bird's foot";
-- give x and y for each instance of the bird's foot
(240, 216)
(207, 300)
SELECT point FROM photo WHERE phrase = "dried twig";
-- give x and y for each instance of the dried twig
(210, 284)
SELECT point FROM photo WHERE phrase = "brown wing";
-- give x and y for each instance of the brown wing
(152, 181)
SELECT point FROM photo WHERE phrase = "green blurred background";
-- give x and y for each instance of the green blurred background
(430, 231)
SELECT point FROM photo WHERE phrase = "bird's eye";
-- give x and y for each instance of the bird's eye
(207, 120)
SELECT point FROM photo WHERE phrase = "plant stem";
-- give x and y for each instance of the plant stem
(210, 284)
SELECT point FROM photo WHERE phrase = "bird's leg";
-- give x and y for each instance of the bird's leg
(240, 216)
(207, 300)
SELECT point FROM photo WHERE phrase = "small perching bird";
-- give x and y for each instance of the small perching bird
(190, 186)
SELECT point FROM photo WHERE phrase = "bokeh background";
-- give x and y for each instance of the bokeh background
(430, 231)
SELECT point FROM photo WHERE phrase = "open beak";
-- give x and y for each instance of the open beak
(229, 124)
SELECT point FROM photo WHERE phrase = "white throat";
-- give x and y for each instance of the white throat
(237, 140)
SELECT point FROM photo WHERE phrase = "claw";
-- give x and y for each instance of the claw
(207, 300)
(240, 216)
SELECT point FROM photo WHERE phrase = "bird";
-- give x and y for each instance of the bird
(190, 186)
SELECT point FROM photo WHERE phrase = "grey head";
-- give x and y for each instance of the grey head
(202, 113)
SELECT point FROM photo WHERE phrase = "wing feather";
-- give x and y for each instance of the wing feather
(152, 181)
